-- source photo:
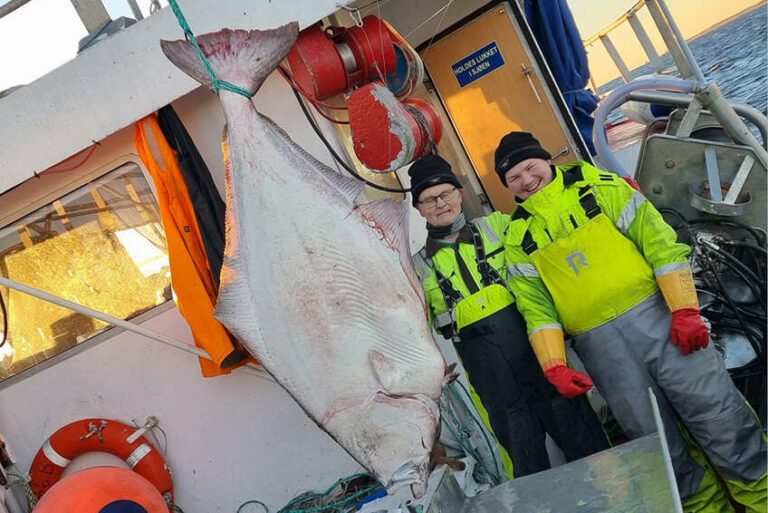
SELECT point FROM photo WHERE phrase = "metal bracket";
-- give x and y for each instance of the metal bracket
(738, 181)
(690, 118)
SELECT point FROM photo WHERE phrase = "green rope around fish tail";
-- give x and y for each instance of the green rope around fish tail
(190, 36)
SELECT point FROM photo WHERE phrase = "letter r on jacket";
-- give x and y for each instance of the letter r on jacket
(575, 260)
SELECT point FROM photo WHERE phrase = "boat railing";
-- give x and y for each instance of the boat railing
(678, 49)
(692, 91)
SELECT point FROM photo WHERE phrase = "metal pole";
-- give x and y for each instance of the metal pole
(683, 66)
(9, 7)
(681, 40)
(616, 58)
(682, 100)
(665, 451)
(619, 96)
(92, 13)
(645, 42)
(713, 100)
(129, 326)
(135, 8)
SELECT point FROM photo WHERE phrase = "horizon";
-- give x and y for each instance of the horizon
(591, 18)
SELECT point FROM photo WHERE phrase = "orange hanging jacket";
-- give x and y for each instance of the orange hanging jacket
(194, 289)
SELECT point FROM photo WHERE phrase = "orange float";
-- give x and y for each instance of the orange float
(102, 490)
(99, 435)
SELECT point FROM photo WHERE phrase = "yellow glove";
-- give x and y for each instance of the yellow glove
(678, 289)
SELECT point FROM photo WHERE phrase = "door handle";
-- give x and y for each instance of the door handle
(565, 150)
(528, 72)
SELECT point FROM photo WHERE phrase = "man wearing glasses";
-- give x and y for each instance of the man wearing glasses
(463, 273)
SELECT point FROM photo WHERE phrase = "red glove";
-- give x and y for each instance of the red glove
(688, 331)
(568, 382)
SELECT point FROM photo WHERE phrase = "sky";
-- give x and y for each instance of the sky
(43, 34)
(692, 17)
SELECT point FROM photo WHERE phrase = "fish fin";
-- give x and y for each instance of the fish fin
(241, 57)
(390, 217)
(349, 187)
(382, 369)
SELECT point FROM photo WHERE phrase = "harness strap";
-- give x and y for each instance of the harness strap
(488, 274)
(588, 202)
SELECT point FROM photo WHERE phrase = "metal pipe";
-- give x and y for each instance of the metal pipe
(92, 13)
(681, 40)
(683, 66)
(681, 100)
(135, 8)
(713, 100)
(619, 96)
(623, 69)
(9, 7)
(645, 42)
(665, 451)
(616, 23)
(126, 325)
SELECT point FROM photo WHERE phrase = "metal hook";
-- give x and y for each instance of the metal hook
(354, 13)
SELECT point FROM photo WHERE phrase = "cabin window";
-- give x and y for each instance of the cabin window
(102, 246)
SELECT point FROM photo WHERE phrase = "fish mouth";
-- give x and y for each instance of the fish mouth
(415, 475)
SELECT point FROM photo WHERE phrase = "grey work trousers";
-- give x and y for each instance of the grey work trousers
(633, 352)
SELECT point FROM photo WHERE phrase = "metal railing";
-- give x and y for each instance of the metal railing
(670, 33)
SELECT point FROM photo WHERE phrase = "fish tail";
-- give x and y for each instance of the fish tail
(241, 57)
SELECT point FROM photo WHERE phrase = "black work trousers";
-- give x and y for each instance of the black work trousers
(522, 405)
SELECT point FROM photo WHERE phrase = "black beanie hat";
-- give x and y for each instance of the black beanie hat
(428, 171)
(514, 148)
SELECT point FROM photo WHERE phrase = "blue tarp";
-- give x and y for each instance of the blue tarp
(553, 26)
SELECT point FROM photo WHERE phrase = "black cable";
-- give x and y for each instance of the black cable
(335, 155)
(746, 274)
(754, 252)
(756, 346)
(752, 231)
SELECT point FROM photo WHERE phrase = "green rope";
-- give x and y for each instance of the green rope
(300, 504)
(31, 497)
(190, 36)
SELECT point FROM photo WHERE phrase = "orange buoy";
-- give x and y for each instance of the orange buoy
(102, 490)
(99, 435)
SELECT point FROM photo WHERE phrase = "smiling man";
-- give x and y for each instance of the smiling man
(590, 256)
(463, 273)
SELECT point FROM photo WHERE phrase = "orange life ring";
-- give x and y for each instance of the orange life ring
(99, 435)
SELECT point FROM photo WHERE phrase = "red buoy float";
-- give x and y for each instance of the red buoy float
(102, 490)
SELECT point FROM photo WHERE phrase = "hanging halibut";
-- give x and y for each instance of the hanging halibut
(319, 289)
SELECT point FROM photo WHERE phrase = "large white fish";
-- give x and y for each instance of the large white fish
(319, 289)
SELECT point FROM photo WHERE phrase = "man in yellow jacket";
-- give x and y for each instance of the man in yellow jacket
(589, 256)
(463, 274)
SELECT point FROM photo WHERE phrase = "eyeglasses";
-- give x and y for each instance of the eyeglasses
(446, 196)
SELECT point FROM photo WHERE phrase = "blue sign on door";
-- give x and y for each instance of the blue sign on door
(478, 64)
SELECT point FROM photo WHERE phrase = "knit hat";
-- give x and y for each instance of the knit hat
(428, 171)
(514, 148)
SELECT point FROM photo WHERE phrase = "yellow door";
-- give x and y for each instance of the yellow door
(490, 84)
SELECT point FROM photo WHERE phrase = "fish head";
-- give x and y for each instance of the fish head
(392, 437)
